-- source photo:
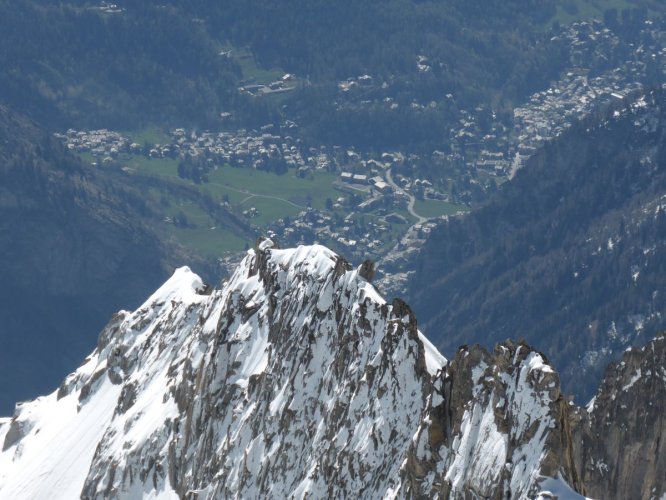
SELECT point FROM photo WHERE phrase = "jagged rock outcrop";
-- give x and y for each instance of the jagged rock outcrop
(620, 439)
(297, 380)
(496, 426)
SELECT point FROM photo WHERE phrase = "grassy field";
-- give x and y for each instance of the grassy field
(251, 71)
(164, 167)
(275, 196)
(195, 214)
(210, 242)
(203, 235)
(436, 208)
(269, 210)
(88, 158)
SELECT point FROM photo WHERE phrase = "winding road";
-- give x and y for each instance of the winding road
(412, 200)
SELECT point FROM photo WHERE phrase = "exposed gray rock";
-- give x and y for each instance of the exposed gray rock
(495, 425)
(297, 379)
(620, 438)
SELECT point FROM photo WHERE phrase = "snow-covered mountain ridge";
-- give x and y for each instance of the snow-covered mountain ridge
(295, 379)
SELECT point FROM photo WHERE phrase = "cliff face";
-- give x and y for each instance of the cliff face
(620, 439)
(496, 426)
(295, 379)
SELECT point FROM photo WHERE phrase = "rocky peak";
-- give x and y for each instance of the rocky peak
(296, 379)
(496, 426)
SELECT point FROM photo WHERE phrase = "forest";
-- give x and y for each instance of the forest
(569, 255)
(176, 63)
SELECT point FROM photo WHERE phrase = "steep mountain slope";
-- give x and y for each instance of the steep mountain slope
(295, 379)
(621, 435)
(72, 251)
(497, 427)
(569, 255)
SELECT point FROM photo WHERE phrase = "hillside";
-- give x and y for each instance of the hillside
(127, 65)
(83, 64)
(569, 255)
(73, 249)
(88, 65)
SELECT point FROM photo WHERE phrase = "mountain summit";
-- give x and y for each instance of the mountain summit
(295, 379)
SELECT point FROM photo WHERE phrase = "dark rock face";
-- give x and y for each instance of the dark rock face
(497, 411)
(620, 443)
(296, 377)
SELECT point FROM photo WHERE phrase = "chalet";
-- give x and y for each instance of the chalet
(370, 203)
(377, 164)
(365, 80)
(383, 187)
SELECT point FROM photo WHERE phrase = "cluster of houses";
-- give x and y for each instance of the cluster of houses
(370, 239)
(241, 148)
(363, 81)
(285, 84)
(478, 143)
(377, 182)
(102, 143)
(108, 8)
(603, 67)
(550, 112)
(369, 178)
(479, 147)
(475, 147)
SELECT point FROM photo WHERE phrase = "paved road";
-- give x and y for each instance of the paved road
(412, 200)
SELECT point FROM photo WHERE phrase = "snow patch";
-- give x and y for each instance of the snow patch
(634, 378)
(535, 362)
(434, 359)
(181, 287)
(557, 488)
(59, 448)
